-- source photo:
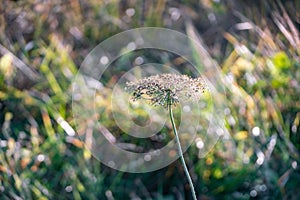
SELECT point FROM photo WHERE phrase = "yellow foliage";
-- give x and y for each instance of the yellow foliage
(241, 135)
(6, 65)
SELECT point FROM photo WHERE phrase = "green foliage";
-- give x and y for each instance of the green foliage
(40, 158)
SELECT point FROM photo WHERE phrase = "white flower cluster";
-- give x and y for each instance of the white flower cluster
(165, 89)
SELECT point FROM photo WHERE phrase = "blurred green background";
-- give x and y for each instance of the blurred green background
(257, 45)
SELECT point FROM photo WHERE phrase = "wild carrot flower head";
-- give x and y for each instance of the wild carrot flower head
(165, 89)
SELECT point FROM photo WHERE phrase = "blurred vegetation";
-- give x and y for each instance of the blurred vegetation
(257, 45)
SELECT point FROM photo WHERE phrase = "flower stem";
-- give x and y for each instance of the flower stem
(180, 152)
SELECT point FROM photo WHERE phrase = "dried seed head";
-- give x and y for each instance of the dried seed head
(165, 89)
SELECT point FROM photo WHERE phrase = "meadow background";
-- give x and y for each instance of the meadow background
(255, 43)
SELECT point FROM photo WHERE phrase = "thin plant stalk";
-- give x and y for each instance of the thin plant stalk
(167, 90)
(180, 150)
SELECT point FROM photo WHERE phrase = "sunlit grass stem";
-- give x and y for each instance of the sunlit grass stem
(179, 149)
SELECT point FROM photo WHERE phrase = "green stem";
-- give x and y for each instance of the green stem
(180, 152)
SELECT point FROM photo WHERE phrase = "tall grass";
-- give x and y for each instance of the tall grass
(257, 49)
